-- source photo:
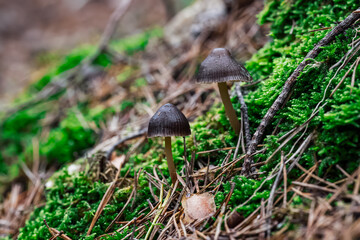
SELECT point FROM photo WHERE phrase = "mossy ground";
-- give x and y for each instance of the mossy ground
(65, 139)
(73, 200)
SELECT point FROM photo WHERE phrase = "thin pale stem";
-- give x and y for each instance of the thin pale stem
(187, 166)
(170, 160)
(229, 109)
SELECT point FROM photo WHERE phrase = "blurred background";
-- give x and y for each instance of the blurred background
(34, 30)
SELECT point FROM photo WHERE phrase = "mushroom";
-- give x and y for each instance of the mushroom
(169, 121)
(219, 67)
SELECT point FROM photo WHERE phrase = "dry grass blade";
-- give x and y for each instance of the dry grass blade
(121, 212)
(272, 196)
(55, 233)
(343, 78)
(216, 150)
(313, 186)
(285, 183)
(344, 186)
(140, 228)
(345, 173)
(316, 177)
(354, 74)
(160, 211)
(106, 198)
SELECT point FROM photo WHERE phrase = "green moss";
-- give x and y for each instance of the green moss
(341, 125)
(67, 138)
(6, 238)
(140, 82)
(72, 202)
(244, 189)
(73, 133)
(70, 61)
(338, 123)
(137, 42)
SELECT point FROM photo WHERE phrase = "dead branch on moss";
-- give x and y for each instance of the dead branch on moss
(289, 84)
(121, 141)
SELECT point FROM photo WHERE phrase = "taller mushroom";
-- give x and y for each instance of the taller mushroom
(219, 67)
(168, 121)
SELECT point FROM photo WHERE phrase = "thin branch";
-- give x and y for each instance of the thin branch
(104, 201)
(272, 196)
(244, 111)
(121, 212)
(106, 198)
(113, 23)
(121, 141)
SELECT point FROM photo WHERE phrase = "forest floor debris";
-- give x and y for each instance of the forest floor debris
(306, 201)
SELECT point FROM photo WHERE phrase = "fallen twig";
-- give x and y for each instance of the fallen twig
(111, 27)
(55, 233)
(106, 198)
(121, 212)
(121, 141)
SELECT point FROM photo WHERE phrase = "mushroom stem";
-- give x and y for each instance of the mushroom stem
(170, 160)
(229, 109)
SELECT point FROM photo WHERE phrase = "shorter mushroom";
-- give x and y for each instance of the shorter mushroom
(219, 67)
(169, 121)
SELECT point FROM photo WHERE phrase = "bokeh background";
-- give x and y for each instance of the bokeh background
(32, 31)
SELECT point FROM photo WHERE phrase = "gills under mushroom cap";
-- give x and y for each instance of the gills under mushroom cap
(219, 66)
(168, 121)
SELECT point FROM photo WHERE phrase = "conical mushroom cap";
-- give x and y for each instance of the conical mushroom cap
(168, 121)
(219, 66)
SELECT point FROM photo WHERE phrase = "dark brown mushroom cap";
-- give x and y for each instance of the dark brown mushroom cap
(168, 121)
(219, 66)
